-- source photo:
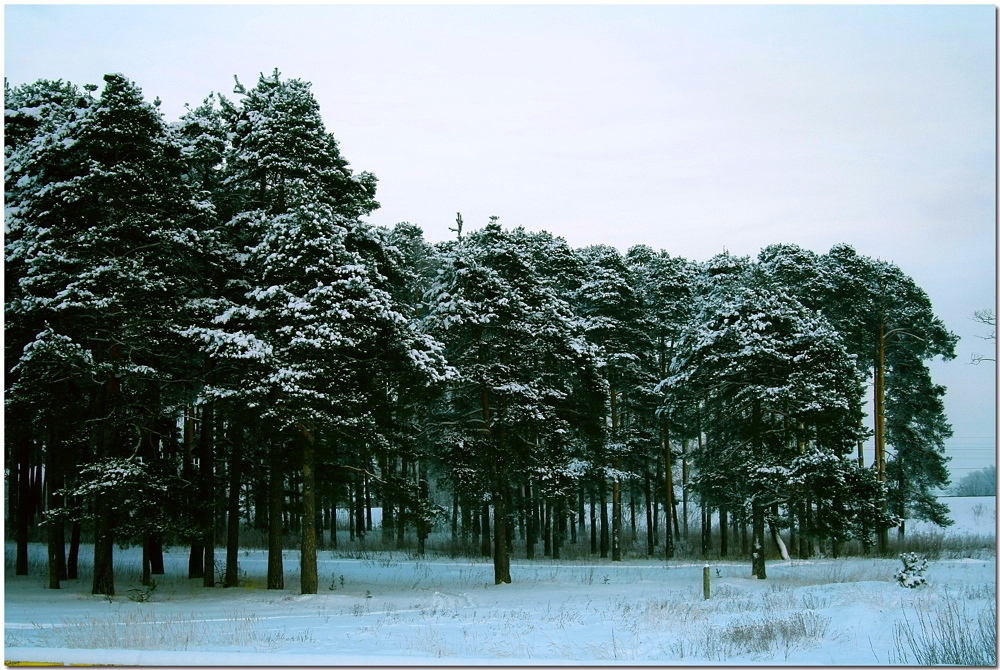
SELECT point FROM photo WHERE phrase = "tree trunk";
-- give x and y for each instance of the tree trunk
(705, 530)
(469, 521)
(307, 568)
(501, 559)
(649, 512)
(778, 542)
(233, 507)
(723, 533)
(657, 478)
(758, 569)
(530, 522)
(547, 528)
(685, 477)
(147, 578)
(56, 532)
(556, 528)
(23, 500)
(605, 534)
(332, 514)
(108, 444)
(388, 504)
(275, 498)
(368, 505)
(207, 455)
(359, 506)
(196, 557)
(401, 519)
(74, 551)
(485, 528)
(631, 508)
(668, 488)
(593, 521)
(616, 490)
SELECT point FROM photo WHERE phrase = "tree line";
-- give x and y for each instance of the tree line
(200, 325)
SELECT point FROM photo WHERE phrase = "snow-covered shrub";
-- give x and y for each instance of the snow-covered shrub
(912, 574)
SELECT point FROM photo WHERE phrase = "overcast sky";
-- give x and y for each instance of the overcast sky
(692, 129)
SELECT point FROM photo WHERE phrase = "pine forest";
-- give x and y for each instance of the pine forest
(207, 345)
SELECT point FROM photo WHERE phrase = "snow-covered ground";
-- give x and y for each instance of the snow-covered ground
(391, 609)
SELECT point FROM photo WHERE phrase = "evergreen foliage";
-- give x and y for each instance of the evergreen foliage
(198, 318)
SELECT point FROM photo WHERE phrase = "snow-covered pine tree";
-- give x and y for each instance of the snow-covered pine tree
(761, 355)
(514, 346)
(916, 427)
(312, 300)
(882, 313)
(609, 308)
(37, 121)
(664, 285)
(106, 235)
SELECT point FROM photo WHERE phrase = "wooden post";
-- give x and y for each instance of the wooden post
(706, 579)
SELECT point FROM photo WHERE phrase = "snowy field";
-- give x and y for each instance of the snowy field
(381, 608)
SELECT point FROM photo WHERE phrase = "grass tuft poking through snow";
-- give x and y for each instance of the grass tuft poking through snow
(948, 635)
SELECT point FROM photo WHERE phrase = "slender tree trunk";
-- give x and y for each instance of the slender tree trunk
(485, 527)
(454, 515)
(332, 513)
(547, 528)
(649, 512)
(810, 533)
(368, 505)
(685, 477)
(758, 569)
(108, 444)
(668, 488)
(581, 508)
(705, 529)
(233, 507)
(556, 524)
(307, 569)
(388, 504)
(401, 519)
(673, 510)
(469, 520)
(882, 531)
(532, 528)
(616, 490)
(631, 508)
(593, 521)
(723, 532)
(351, 521)
(275, 498)
(605, 534)
(74, 551)
(509, 518)
(206, 441)
(793, 537)
(519, 507)
(56, 531)
(23, 500)
(501, 558)
(359, 506)
(196, 558)
(656, 500)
